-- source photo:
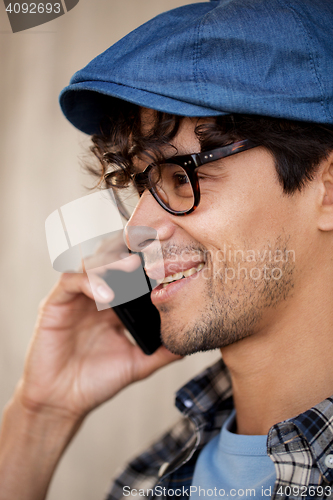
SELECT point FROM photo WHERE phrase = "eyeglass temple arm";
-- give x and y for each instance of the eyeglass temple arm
(237, 147)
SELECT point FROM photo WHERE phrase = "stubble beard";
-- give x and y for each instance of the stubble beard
(230, 311)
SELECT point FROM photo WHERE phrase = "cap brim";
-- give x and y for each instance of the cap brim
(85, 104)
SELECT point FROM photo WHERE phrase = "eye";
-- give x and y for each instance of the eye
(180, 179)
(174, 177)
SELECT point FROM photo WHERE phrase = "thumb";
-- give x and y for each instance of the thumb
(150, 363)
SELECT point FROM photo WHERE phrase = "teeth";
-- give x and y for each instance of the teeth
(193, 270)
(184, 274)
(173, 277)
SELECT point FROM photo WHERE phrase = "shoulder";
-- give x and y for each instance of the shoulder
(144, 471)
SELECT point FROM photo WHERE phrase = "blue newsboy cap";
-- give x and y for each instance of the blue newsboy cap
(262, 57)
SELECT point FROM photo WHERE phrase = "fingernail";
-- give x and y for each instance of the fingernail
(104, 292)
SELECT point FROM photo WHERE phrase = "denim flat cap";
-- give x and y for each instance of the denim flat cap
(263, 57)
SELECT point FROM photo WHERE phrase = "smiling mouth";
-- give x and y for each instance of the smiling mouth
(178, 276)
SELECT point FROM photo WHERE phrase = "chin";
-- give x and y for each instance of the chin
(206, 333)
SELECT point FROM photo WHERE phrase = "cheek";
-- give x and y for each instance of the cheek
(246, 210)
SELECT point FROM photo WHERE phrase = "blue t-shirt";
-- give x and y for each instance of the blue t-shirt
(233, 465)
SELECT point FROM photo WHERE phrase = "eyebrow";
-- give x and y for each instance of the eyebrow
(183, 151)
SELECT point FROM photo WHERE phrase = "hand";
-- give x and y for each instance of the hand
(79, 357)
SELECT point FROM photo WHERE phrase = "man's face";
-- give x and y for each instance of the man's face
(244, 233)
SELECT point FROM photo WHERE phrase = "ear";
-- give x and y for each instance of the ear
(325, 181)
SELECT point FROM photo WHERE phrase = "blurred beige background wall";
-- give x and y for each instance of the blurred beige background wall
(40, 171)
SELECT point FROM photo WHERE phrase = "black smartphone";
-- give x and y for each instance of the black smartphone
(136, 310)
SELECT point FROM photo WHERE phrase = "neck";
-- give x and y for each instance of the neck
(285, 367)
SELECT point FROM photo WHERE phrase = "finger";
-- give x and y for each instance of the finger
(103, 258)
(110, 245)
(127, 264)
(70, 285)
(109, 250)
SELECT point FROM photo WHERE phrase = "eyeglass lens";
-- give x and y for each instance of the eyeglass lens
(170, 184)
(173, 187)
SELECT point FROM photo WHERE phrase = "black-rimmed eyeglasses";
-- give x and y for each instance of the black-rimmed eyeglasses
(174, 182)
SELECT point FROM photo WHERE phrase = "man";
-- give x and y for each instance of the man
(243, 90)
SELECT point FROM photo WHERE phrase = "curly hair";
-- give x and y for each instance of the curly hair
(297, 147)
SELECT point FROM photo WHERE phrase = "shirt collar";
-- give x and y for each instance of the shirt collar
(207, 391)
(316, 427)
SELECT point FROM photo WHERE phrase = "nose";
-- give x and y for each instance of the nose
(149, 222)
(138, 237)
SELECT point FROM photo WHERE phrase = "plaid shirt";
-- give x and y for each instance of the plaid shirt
(301, 448)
